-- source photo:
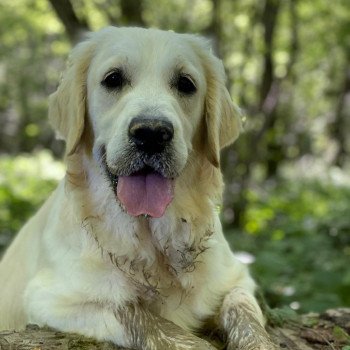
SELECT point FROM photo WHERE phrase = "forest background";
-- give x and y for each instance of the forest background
(287, 198)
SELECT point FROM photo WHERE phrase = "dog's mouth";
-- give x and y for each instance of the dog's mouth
(144, 192)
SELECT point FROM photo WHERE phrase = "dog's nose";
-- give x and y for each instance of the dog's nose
(150, 135)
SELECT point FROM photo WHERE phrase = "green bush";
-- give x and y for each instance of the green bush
(25, 182)
(299, 235)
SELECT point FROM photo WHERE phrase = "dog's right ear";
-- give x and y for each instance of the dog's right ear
(67, 105)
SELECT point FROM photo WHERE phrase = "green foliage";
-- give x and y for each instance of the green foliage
(25, 182)
(299, 234)
(32, 53)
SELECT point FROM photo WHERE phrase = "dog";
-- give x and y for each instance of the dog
(129, 248)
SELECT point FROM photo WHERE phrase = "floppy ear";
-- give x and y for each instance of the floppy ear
(67, 106)
(222, 117)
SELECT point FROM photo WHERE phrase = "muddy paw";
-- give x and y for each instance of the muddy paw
(253, 346)
(194, 344)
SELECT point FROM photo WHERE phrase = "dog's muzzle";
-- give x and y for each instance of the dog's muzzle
(146, 185)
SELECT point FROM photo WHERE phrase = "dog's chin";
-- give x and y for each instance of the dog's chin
(145, 192)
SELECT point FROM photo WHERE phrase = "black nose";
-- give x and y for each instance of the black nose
(150, 135)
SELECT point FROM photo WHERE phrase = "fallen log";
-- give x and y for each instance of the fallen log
(326, 331)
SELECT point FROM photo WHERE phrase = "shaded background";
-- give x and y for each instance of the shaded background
(287, 199)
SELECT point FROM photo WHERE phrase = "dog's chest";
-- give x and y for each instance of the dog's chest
(162, 259)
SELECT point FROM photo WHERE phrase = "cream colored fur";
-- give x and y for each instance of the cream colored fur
(81, 259)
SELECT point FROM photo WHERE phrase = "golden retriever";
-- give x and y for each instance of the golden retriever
(129, 248)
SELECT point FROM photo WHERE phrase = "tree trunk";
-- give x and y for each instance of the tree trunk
(74, 26)
(132, 12)
(339, 127)
(269, 89)
(327, 331)
(269, 21)
(214, 29)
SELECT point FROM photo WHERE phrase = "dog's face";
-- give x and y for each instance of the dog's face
(149, 96)
(145, 102)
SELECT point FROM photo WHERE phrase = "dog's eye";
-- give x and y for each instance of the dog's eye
(114, 80)
(185, 85)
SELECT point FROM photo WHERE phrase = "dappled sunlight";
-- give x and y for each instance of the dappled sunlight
(310, 167)
(40, 164)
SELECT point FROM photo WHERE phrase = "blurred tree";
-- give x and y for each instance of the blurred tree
(269, 21)
(74, 26)
(131, 12)
(214, 29)
(339, 126)
(31, 42)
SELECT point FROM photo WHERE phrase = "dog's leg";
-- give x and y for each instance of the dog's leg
(132, 326)
(243, 323)
(149, 331)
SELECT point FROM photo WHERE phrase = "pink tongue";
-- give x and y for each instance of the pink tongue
(145, 194)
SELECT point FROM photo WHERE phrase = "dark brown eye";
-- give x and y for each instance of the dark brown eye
(185, 85)
(114, 80)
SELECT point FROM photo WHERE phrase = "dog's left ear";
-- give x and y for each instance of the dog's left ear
(67, 105)
(222, 117)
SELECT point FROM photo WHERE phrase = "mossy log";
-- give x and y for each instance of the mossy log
(326, 331)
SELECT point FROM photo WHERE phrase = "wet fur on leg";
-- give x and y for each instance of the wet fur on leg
(148, 331)
(242, 323)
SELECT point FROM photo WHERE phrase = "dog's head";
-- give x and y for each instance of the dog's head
(148, 95)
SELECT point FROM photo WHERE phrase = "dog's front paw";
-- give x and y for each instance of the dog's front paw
(189, 342)
(243, 324)
(192, 343)
(202, 345)
(252, 342)
(267, 346)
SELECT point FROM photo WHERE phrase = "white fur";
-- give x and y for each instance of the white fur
(81, 256)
